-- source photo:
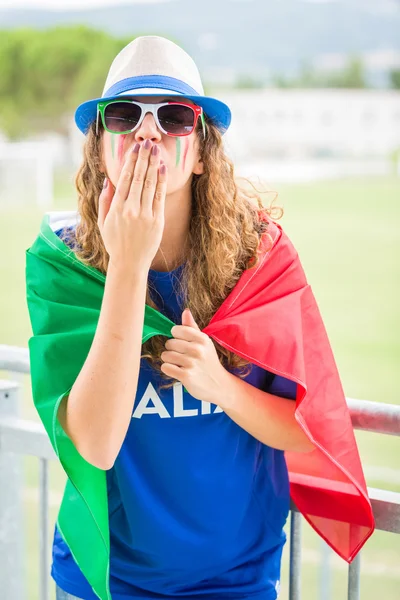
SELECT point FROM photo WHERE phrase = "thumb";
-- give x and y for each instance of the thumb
(188, 320)
(105, 200)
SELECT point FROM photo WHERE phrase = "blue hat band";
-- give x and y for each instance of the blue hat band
(150, 81)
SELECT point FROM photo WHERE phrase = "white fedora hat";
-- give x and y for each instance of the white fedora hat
(152, 66)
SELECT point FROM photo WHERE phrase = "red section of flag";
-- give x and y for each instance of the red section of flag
(271, 318)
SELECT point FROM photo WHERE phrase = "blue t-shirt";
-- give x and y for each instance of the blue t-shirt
(196, 504)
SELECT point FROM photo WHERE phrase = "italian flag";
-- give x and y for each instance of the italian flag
(270, 318)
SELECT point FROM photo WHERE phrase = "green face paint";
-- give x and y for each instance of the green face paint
(178, 150)
(113, 145)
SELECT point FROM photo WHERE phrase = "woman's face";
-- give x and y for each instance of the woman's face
(180, 154)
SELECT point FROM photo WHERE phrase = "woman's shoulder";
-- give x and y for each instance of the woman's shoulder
(64, 226)
(271, 232)
(264, 216)
(67, 235)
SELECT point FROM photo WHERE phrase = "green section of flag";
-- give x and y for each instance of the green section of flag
(64, 299)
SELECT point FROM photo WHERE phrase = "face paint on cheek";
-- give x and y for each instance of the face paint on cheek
(185, 153)
(113, 145)
(178, 150)
(121, 142)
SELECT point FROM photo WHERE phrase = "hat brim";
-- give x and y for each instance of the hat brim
(215, 110)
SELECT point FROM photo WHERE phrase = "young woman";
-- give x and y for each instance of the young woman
(190, 435)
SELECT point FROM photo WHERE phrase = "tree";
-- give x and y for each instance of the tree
(395, 79)
(246, 82)
(351, 76)
(45, 74)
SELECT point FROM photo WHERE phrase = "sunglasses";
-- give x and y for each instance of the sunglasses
(172, 118)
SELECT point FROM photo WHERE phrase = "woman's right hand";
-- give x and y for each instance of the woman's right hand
(131, 218)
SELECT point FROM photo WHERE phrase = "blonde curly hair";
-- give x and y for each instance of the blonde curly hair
(223, 238)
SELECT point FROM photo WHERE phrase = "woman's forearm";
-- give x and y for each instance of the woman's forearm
(98, 410)
(268, 418)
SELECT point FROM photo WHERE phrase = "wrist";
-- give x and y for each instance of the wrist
(126, 272)
(227, 391)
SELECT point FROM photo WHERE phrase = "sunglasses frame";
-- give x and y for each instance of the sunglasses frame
(149, 108)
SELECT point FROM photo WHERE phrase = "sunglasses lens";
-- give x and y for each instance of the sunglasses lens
(176, 119)
(121, 116)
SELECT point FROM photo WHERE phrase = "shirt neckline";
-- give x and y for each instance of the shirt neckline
(165, 274)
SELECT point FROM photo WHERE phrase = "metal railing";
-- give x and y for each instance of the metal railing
(22, 437)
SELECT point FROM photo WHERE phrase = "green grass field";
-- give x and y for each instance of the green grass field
(347, 236)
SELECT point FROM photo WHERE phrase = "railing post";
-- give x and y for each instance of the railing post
(44, 528)
(353, 588)
(295, 556)
(325, 575)
(11, 508)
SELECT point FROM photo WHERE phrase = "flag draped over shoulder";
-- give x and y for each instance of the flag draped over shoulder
(270, 318)
(64, 299)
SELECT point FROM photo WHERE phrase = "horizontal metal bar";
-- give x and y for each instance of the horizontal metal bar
(374, 416)
(13, 358)
(386, 509)
(385, 506)
(8, 388)
(25, 437)
(30, 438)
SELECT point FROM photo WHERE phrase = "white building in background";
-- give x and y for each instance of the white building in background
(298, 123)
(275, 123)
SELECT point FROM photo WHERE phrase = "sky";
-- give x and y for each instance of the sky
(377, 5)
(66, 4)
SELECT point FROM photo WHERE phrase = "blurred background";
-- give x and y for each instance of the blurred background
(314, 88)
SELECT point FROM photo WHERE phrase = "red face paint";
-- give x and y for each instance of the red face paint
(185, 152)
(121, 142)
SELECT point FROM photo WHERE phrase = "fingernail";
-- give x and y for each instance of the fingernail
(154, 150)
(163, 169)
(105, 183)
(136, 148)
(147, 144)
